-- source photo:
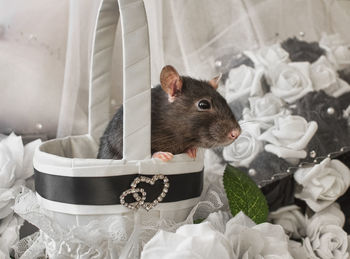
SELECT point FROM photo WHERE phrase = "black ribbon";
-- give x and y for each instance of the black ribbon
(107, 190)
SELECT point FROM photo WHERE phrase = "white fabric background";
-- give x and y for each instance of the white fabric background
(45, 49)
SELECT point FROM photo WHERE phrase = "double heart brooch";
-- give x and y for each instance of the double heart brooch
(141, 200)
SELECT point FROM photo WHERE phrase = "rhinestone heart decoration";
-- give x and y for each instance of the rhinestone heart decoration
(140, 200)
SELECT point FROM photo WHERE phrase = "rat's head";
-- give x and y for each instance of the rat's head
(203, 113)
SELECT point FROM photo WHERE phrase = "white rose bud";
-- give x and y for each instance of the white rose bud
(243, 81)
(291, 81)
(337, 50)
(328, 242)
(323, 183)
(289, 137)
(264, 110)
(189, 241)
(325, 78)
(268, 56)
(291, 219)
(246, 147)
(256, 241)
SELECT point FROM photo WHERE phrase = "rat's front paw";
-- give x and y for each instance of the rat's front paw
(164, 156)
(192, 152)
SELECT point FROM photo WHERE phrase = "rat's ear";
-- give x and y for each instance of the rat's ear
(171, 82)
(215, 81)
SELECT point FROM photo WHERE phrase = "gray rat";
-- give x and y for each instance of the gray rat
(186, 114)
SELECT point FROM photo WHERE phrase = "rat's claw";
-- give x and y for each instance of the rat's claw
(164, 156)
(192, 152)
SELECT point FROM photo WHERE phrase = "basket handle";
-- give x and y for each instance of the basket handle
(136, 75)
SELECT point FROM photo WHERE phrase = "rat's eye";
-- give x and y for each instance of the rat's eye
(203, 105)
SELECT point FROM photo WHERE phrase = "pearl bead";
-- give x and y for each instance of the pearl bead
(330, 111)
(252, 172)
(312, 153)
(218, 63)
(302, 34)
(39, 126)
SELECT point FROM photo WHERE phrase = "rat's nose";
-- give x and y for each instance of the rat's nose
(234, 134)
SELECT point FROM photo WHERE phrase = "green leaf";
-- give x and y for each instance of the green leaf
(197, 221)
(244, 195)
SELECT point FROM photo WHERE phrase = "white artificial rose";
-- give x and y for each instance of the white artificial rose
(331, 215)
(337, 50)
(327, 242)
(243, 81)
(256, 241)
(268, 56)
(189, 241)
(15, 166)
(325, 78)
(323, 183)
(246, 147)
(290, 81)
(289, 137)
(264, 110)
(298, 251)
(291, 219)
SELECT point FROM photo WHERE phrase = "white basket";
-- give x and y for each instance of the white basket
(70, 180)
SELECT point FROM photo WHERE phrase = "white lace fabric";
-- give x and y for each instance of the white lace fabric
(122, 236)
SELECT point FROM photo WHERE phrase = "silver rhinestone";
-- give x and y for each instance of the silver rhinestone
(288, 170)
(161, 176)
(330, 111)
(166, 185)
(143, 193)
(252, 172)
(159, 199)
(165, 190)
(163, 194)
(166, 180)
(301, 34)
(312, 153)
(155, 202)
(39, 126)
(315, 161)
(272, 178)
(218, 63)
(137, 180)
(148, 181)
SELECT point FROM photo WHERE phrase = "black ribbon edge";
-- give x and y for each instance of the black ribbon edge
(106, 190)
